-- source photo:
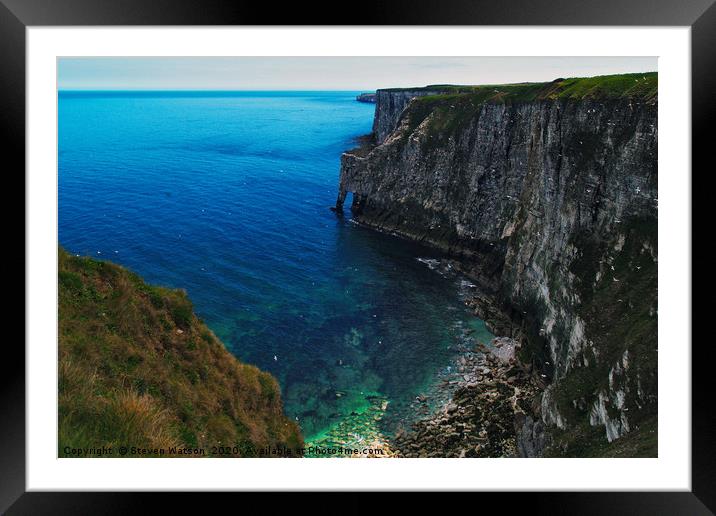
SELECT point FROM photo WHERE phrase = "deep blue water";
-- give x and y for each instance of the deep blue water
(226, 195)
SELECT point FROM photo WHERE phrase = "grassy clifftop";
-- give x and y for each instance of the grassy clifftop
(453, 106)
(138, 368)
(629, 85)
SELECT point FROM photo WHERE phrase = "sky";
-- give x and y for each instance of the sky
(326, 73)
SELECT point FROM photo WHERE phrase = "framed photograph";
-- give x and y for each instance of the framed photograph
(453, 240)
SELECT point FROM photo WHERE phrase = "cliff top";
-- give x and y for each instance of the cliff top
(632, 85)
(138, 368)
(449, 111)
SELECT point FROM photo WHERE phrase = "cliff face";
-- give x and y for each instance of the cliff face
(366, 97)
(389, 106)
(138, 369)
(548, 194)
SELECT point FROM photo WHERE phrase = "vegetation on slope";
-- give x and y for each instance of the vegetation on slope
(642, 85)
(461, 103)
(625, 314)
(138, 369)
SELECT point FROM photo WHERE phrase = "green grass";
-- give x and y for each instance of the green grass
(452, 88)
(587, 441)
(138, 368)
(630, 85)
(453, 106)
(447, 108)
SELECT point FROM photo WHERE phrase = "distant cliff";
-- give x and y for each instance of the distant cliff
(547, 193)
(138, 369)
(366, 97)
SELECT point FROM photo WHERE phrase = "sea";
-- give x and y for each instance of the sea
(226, 194)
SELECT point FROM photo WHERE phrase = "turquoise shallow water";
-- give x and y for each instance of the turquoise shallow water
(226, 195)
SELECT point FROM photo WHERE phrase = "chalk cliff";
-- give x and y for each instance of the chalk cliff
(390, 104)
(547, 194)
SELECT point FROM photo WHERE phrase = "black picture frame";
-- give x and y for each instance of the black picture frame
(16, 15)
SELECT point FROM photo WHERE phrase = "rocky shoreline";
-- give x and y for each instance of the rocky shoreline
(477, 406)
(482, 403)
(494, 395)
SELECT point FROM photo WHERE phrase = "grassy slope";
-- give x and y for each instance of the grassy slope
(601, 86)
(450, 110)
(138, 368)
